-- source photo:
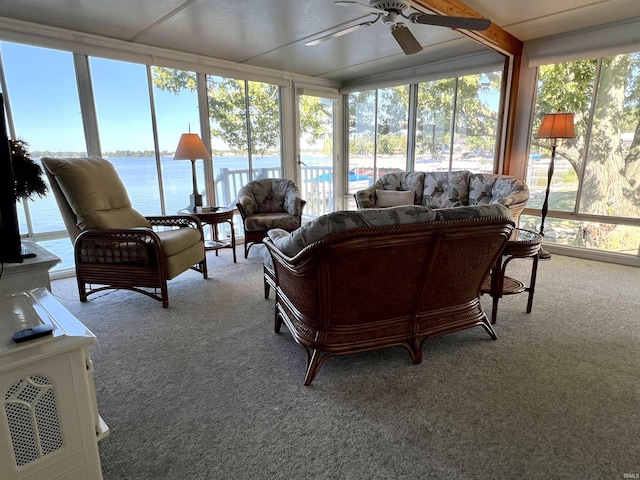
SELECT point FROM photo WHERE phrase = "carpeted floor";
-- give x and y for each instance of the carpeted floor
(206, 390)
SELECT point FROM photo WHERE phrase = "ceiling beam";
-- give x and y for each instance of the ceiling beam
(494, 37)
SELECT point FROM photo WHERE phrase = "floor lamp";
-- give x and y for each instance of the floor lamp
(554, 125)
(190, 147)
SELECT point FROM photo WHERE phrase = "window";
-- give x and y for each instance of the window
(456, 128)
(433, 128)
(315, 116)
(362, 138)
(176, 107)
(245, 133)
(594, 199)
(46, 115)
(378, 126)
(476, 123)
(121, 93)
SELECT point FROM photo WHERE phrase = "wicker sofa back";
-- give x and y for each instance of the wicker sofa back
(450, 189)
(349, 282)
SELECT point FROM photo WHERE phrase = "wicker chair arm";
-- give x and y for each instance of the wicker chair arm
(175, 221)
(96, 245)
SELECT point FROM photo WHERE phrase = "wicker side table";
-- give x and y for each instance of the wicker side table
(524, 244)
(214, 218)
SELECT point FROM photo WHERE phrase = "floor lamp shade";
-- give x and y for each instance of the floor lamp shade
(557, 125)
(190, 147)
(554, 125)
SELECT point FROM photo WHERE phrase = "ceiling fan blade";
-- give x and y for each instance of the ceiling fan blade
(339, 33)
(361, 6)
(465, 23)
(405, 39)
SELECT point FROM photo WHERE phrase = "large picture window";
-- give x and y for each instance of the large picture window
(46, 115)
(456, 128)
(594, 197)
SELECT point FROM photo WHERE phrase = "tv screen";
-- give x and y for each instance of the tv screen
(10, 244)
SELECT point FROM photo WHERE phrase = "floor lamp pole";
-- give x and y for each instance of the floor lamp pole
(543, 254)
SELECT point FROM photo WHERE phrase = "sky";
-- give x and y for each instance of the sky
(42, 90)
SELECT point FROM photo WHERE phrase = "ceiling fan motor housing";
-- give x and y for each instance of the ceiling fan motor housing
(396, 6)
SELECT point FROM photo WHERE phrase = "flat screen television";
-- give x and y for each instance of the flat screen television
(10, 243)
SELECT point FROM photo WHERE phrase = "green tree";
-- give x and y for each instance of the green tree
(611, 183)
(475, 120)
(228, 109)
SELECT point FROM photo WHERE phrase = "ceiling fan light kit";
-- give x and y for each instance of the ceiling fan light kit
(389, 12)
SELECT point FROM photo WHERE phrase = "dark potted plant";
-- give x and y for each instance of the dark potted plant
(26, 173)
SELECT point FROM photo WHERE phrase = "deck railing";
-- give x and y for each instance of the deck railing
(316, 186)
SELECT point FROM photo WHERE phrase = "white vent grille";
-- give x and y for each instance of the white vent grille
(33, 419)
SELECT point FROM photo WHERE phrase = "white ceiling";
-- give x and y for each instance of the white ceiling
(272, 33)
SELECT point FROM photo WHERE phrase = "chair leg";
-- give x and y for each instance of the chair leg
(203, 267)
(165, 294)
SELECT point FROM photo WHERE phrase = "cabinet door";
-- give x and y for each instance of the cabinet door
(47, 419)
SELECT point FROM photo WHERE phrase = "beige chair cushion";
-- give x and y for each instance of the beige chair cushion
(394, 198)
(95, 193)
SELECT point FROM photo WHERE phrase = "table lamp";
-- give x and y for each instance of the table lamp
(190, 147)
(554, 125)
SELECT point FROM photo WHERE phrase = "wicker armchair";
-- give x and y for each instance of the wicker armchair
(268, 203)
(115, 247)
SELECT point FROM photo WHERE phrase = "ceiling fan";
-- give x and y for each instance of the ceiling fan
(390, 10)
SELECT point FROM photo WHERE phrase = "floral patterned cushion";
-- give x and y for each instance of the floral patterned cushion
(485, 188)
(446, 189)
(271, 195)
(474, 211)
(291, 243)
(451, 189)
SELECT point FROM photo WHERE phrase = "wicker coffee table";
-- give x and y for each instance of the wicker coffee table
(523, 244)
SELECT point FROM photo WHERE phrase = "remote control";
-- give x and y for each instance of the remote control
(31, 333)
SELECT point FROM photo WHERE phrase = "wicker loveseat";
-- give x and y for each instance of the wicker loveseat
(446, 189)
(349, 282)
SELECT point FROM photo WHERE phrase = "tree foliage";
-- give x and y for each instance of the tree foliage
(229, 101)
(611, 182)
(475, 120)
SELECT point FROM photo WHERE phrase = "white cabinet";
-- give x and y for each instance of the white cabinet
(49, 422)
(32, 273)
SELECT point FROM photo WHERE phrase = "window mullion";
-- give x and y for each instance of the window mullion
(156, 144)
(452, 127)
(587, 139)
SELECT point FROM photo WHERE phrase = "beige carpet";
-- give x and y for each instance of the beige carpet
(206, 389)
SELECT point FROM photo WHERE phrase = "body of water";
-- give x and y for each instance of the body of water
(140, 177)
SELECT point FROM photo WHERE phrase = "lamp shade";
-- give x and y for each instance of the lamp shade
(557, 125)
(190, 147)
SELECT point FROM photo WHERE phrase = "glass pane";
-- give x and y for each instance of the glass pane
(393, 113)
(124, 120)
(553, 96)
(264, 114)
(362, 117)
(476, 122)
(46, 115)
(228, 122)
(594, 235)
(316, 153)
(612, 167)
(176, 103)
(433, 130)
